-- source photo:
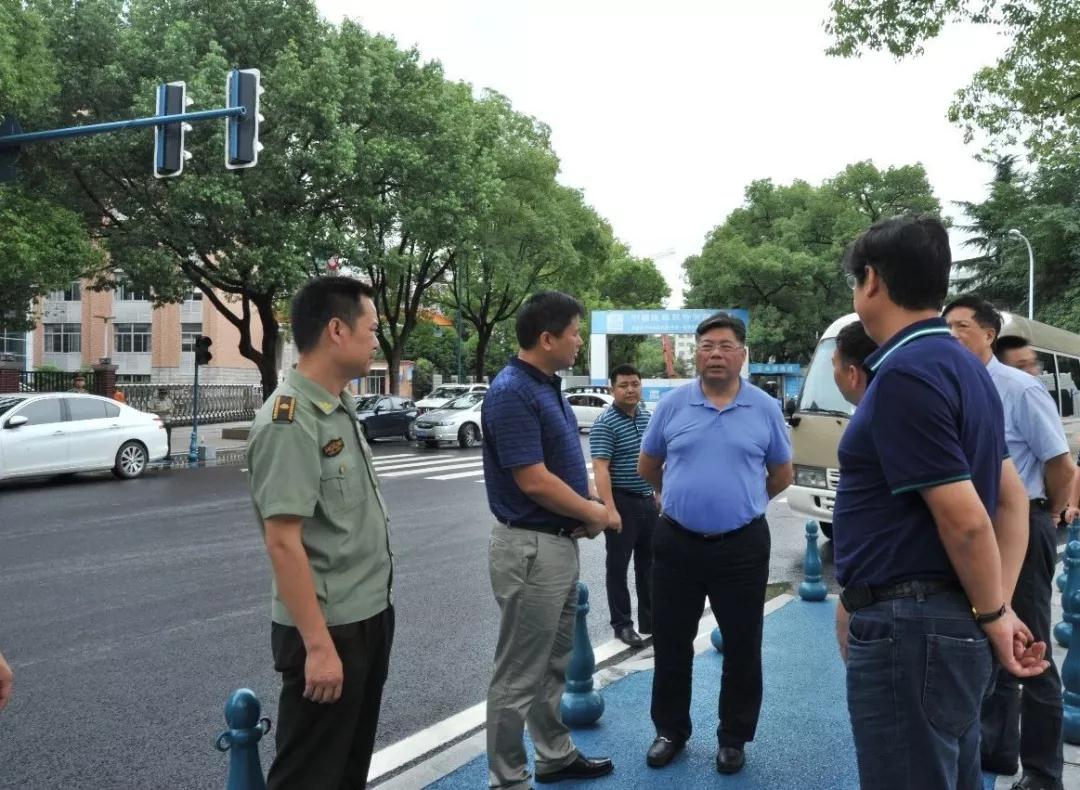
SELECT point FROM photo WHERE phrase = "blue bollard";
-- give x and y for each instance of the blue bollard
(1071, 535)
(1063, 630)
(242, 740)
(1070, 667)
(812, 588)
(717, 640)
(581, 705)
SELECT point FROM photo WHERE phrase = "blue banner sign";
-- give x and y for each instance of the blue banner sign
(654, 322)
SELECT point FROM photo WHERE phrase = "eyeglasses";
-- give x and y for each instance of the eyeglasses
(708, 347)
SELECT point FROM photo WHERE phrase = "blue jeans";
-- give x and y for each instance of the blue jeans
(918, 669)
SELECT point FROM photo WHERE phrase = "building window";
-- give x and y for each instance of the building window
(188, 333)
(132, 338)
(195, 295)
(63, 338)
(125, 292)
(376, 383)
(73, 293)
(13, 343)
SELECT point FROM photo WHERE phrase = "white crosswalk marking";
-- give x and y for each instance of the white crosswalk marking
(429, 461)
(415, 464)
(425, 469)
(384, 458)
(457, 475)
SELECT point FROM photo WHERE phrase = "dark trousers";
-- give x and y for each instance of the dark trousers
(329, 746)
(639, 516)
(732, 573)
(1028, 723)
(917, 671)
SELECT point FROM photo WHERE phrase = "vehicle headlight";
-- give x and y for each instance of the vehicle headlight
(810, 476)
(445, 423)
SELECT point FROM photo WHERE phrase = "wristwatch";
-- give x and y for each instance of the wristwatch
(989, 617)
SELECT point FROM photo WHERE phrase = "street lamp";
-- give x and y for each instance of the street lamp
(1031, 272)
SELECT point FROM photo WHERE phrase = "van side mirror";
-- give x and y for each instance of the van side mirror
(16, 422)
(790, 407)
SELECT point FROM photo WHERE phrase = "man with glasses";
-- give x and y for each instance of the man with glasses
(717, 449)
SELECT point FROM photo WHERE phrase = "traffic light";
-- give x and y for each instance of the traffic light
(169, 153)
(242, 146)
(202, 350)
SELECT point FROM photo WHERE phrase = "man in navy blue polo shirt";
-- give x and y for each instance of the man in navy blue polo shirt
(538, 490)
(922, 477)
(717, 449)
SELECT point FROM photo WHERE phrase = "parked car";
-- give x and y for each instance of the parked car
(458, 421)
(445, 393)
(587, 388)
(383, 416)
(588, 406)
(60, 433)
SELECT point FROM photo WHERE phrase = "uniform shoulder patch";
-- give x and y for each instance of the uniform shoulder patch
(284, 409)
(333, 447)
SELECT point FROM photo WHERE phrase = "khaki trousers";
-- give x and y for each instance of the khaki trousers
(534, 578)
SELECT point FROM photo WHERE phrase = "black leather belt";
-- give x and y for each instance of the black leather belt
(627, 492)
(710, 537)
(862, 595)
(1039, 503)
(560, 532)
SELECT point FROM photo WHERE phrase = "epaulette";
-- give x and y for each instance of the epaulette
(284, 408)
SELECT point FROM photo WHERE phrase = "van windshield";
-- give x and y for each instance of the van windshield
(819, 393)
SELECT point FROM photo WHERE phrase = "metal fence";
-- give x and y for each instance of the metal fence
(217, 402)
(52, 380)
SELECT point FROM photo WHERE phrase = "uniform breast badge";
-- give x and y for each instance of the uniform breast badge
(333, 447)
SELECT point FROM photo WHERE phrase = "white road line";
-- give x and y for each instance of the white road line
(472, 473)
(425, 469)
(384, 458)
(426, 462)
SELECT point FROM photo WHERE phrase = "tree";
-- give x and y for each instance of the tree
(43, 247)
(778, 255)
(1032, 92)
(630, 283)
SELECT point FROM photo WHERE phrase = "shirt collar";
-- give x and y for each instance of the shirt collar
(323, 400)
(994, 364)
(928, 326)
(554, 379)
(697, 395)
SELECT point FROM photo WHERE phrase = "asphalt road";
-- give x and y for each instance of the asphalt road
(131, 610)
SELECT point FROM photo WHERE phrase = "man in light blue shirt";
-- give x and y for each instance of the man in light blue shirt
(1025, 725)
(717, 449)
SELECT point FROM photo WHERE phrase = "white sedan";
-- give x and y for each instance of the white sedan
(588, 406)
(60, 433)
(457, 421)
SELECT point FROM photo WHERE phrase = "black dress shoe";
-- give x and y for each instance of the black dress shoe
(730, 760)
(628, 636)
(582, 768)
(1032, 782)
(662, 752)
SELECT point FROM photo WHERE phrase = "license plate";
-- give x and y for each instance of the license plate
(424, 433)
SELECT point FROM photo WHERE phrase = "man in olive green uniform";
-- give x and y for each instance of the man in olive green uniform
(326, 529)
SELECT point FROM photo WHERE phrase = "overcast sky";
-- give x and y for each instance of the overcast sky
(662, 117)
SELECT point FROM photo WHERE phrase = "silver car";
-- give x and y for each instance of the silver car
(457, 421)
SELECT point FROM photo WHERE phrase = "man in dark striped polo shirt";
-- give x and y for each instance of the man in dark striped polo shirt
(615, 441)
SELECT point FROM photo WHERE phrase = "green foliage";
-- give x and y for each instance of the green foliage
(1032, 92)
(778, 255)
(1045, 206)
(422, 379)
(434, 344)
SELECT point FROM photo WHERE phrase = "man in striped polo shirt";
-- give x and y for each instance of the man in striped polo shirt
(615, 441)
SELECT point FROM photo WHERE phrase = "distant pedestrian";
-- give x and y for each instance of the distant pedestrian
(538, 491)
(1025, 723)
(853, 346)
(119, 396)
(326, 530)
(78, 384)
(615, 442)
(7, 678)
(718, 451)
(163, 406)
(923, 471)
(1016, 352)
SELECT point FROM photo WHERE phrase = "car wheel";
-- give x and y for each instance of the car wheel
(826, 529)
(131, 460)
(410, 432)
(468, 436)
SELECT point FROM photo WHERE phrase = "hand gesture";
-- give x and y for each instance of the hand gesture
(323, 674)
(1015, 648)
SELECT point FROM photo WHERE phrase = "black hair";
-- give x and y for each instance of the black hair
(985, 316)
(723, 321)
(625, 369)
(1009, 343)
(911, 255)
(854, 345)
(546, 311)
(323, 299)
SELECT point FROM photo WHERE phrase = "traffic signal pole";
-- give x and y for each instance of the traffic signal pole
(193, 450)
